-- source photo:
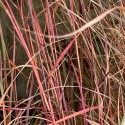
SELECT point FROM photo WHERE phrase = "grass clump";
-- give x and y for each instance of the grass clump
(62, 62)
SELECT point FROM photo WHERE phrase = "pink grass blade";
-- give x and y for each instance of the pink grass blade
(76, 114)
